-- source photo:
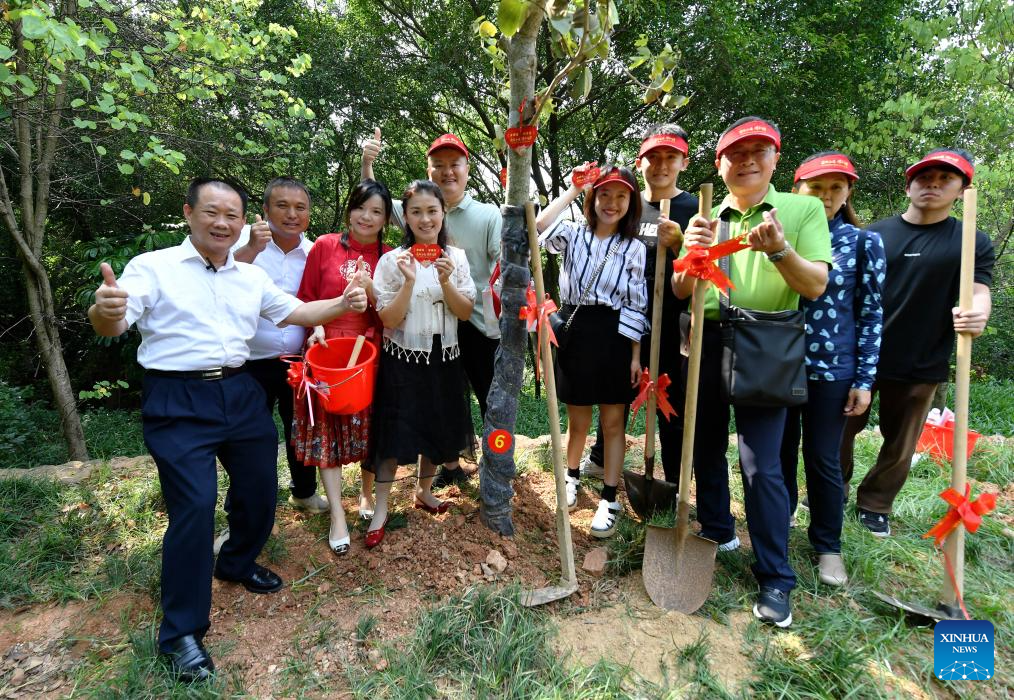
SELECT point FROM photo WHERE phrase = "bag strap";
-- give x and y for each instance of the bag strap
(725, 265)
(591, 282)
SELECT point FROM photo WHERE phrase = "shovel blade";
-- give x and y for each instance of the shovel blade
(922, 613)
(648, 496)
(541, 596)
(677, 571)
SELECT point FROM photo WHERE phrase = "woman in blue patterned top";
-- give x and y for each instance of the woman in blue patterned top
(843, 327)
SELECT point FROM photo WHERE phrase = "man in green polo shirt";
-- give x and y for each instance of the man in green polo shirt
(789, 255)
(474, 227)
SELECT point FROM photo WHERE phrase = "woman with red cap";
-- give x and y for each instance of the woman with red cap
(604, 298)
(843, 327)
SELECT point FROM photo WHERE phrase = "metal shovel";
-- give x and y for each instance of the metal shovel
(646, 494)
(678, 565)
(568, 574)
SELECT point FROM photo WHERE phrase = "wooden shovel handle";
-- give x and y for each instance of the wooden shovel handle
(693, 376)
(358, 348)
(656, 341)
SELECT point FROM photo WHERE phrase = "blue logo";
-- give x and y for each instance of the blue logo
(963, 650)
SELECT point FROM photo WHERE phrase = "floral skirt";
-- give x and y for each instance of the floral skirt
(333, 440)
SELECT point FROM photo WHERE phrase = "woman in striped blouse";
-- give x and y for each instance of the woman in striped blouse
(603, 292)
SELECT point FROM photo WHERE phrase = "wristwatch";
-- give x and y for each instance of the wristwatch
(781, 254)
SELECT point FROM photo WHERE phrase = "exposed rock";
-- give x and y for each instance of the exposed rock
(496, 561)
(595, 561)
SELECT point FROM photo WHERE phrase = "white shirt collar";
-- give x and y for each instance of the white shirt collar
(188, 251)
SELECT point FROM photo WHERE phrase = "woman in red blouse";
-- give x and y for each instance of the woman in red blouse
(333, 262)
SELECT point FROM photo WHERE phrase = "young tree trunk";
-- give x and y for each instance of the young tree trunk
(497, 471)
(42, 309)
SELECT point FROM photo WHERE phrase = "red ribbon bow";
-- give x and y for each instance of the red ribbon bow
(298, 377)
(536, 318)
(701, 262)
(961, 511)
(660, 389)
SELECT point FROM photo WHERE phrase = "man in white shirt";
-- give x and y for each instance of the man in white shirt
(197, 309)
(475, 228)
(278, 245)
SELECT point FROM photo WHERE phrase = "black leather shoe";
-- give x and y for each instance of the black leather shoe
(262, 580)
(189, 660)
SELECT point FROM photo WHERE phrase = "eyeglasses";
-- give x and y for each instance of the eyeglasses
(754, 153)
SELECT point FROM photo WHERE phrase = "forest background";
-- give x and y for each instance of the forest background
(107, 109)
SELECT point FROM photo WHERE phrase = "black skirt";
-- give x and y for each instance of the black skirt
(593, 366)
(421, 408)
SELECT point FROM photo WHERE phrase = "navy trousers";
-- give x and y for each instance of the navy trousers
(187, 423)
(822, 425)
(271, 375)
(759, 434)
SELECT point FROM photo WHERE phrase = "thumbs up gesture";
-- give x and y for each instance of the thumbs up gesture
(372, 147)
(362, 277)
(260, 234)
(354, 297)
(110, 300)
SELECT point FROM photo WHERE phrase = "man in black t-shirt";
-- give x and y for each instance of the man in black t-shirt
(663, 155)
(923, 248)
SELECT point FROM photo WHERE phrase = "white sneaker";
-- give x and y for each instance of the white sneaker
(219, 541)
(589, 468)
(571, 484)
(730, 546)
(604, 523)
(311, 504)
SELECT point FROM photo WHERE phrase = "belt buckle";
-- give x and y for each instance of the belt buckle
(211, 375)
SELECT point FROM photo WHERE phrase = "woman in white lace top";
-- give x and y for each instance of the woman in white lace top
(421, 406)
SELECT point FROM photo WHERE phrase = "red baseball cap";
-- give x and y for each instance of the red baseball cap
(823, 165)
(948, 158)
(612, 175)
(755, 128)
(448, 141)
(664, 141)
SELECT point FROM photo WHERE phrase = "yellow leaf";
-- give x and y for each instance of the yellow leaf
(136, 191)
(146, 198)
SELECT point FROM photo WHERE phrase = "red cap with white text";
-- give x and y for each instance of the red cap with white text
(448, 141)
(664, 141)
(951, 159)
(825, 165)
(612, 176)
(755, 128)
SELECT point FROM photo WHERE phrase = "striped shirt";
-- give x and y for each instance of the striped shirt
(620, 286)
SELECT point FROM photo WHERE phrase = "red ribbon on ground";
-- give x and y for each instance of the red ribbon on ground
(701, 262)
(660, 389)
(961, 511)
(536, 318)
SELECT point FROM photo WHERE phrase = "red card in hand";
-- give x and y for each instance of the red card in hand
(426, 252)
(586, 174)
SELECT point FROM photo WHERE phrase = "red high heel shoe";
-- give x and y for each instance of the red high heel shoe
(442, 508)
(375, 537)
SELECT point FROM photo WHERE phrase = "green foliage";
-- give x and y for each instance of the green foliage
(26, 430)
(103, 389)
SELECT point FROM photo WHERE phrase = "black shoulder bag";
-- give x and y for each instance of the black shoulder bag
(763, 352)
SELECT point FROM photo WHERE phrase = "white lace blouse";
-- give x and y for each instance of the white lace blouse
(427, 314)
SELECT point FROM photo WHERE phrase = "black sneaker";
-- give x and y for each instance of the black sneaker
(877, 523)
(773, 606)
(447, 477)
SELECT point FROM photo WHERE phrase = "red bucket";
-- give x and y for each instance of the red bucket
(938, 441)
(348, 390)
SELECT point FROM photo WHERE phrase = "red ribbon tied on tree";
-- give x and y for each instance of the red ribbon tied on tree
(523, 135)
(661, 391)
(961, 511)
(701, 262)
(536, 318)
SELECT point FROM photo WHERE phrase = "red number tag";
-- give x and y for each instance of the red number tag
(425, 252)
(499, 441)
(503, 177)
(521, 136)
(586, 174)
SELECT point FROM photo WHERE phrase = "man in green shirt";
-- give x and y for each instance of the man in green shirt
(789, 255)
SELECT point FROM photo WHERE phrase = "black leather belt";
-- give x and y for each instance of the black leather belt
(208, 375)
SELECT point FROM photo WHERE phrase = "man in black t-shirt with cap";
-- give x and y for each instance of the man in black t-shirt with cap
(923, 247)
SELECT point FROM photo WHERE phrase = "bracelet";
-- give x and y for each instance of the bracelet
(781, 254)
